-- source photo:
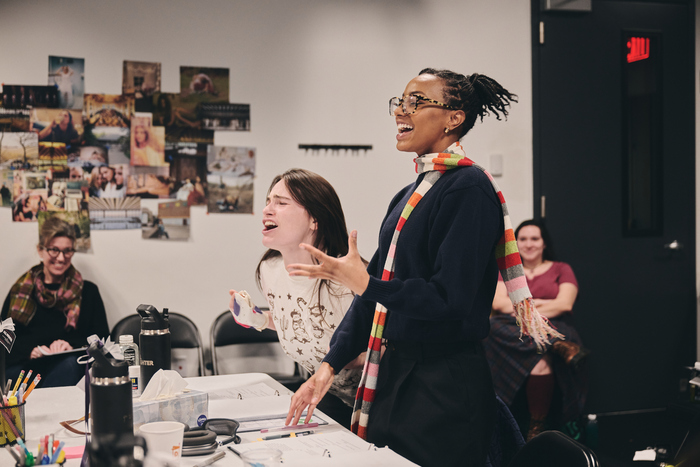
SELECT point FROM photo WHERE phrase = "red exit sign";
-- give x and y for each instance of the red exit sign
(637, 49)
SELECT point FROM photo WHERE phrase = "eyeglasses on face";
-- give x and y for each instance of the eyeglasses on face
(410, 104)
(54, 252)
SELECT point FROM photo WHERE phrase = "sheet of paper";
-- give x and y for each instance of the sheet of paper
(245, 392)
(314, 445)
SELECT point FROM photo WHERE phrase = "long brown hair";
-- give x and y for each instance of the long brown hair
(317, 196)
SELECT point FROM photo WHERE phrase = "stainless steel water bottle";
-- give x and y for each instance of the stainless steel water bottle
(154, 342)
(111, 408)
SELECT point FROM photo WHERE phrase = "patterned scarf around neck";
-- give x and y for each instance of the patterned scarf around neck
(531, 323)
(30, 290)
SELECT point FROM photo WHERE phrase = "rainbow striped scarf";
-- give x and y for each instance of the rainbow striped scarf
(507, 256)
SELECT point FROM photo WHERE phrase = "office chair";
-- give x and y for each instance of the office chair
(186, 349)
(235, 349)
(554, 449)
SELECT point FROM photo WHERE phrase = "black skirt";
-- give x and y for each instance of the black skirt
(435, 403)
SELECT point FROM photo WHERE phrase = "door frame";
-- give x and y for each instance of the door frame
(694, 20)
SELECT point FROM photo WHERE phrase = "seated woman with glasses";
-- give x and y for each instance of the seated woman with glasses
(53, 310)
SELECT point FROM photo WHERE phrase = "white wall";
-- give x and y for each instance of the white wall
(314, 71)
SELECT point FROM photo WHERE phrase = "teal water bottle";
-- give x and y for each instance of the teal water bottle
(592, 431)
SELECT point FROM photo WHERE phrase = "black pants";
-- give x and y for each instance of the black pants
(435, 403)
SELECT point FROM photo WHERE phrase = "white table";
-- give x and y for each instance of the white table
(47, 407)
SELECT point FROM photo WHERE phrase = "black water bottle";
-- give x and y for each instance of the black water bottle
(154, 341)
(111, 408)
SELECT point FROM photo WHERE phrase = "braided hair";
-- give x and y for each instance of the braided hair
(477, 95)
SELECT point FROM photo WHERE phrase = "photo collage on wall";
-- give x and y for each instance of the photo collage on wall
(91, 158)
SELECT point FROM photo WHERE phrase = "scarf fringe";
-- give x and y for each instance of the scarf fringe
(534, 325)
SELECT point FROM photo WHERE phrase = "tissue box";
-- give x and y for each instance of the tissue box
(187, 408)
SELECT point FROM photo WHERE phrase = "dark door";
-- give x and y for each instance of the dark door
(614, 167)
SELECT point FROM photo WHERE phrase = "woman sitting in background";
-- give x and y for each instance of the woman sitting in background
(515, 362)
(54, 310)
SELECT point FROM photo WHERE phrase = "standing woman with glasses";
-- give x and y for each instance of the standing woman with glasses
(53, 310)
(426, 294)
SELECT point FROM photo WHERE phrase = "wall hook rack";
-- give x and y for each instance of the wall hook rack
(336, 147)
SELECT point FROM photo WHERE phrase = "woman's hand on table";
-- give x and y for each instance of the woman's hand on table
(310, 394)
(348, 270)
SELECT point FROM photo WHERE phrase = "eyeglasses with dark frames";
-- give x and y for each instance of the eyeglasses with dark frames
(410, 104)
(54, 252)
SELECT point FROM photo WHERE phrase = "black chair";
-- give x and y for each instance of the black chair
(554, 449)
(187, 352)
(235, 349)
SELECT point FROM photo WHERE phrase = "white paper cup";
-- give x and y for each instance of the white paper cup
(262, 457)
(164, 439)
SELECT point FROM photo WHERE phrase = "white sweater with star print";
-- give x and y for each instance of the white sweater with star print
(304, 323)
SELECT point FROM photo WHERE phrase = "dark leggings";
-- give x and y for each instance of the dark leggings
(434, 404)
(54, 371)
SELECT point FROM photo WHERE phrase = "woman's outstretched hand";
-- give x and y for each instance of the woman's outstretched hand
(310, 394)
(348, 270)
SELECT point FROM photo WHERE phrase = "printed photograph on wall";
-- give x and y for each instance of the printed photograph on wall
(67, 195)
(115, 141)
(224, 116)
(140, 78)
(188, 171)
(14, 120)
(80, 222)
(29, 190)
(115, 213)
(19, 150)
(58, 126)
(171, 222)
(149, 182)
(112, 110)
(147, 142)
(68, 75)
(230, 180)
(18, 96)
(6, 187)
(199, 84)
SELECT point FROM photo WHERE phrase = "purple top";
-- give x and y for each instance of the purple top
(546, 286)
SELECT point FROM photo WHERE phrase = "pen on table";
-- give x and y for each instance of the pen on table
(211, 459)
(31, 387)
(290, 427)
(285, 435)
(233, 451)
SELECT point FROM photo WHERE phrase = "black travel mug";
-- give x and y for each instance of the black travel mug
(154, 341)
(111, 407)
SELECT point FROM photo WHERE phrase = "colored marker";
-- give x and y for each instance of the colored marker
(57, 452)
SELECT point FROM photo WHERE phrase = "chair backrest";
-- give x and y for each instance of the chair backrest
(553, 449)
(186, 350)
(235, 349)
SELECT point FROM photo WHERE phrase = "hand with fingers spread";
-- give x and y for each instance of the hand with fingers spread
(349, 270)
(310, 394)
